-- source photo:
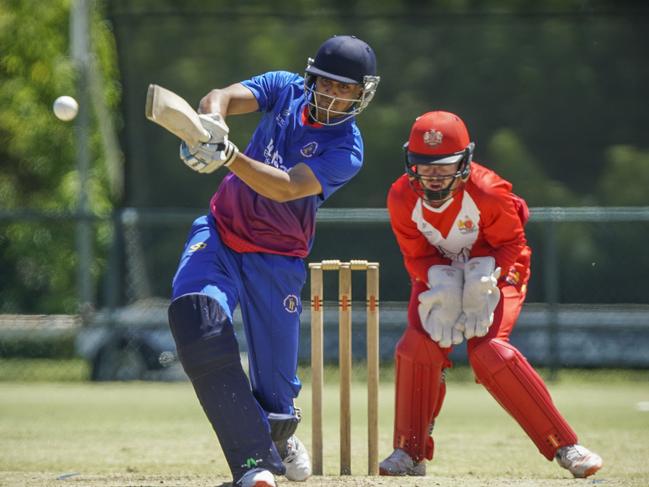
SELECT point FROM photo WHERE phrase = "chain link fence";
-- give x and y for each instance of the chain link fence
(587, 304)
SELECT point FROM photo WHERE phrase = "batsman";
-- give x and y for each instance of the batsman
(249, 250)
(461, 232)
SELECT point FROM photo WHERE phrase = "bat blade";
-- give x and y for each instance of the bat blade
(173, 113)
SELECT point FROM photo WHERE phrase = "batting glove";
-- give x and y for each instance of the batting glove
(481, 295)
(440, 307)
(218, 151)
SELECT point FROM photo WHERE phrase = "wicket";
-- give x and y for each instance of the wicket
(345, 359)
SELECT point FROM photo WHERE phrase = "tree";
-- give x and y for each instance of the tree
(38, 153)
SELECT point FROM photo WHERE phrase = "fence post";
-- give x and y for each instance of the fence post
(551, 289)
(113, 292)
(80, 52)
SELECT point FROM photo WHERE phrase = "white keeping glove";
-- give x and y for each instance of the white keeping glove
(481, 295)
(440, 306)
(218, 151)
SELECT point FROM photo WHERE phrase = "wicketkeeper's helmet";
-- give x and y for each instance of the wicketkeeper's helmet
(346, 59)
(438, 138)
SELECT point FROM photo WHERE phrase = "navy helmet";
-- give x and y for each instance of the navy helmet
(346, 59)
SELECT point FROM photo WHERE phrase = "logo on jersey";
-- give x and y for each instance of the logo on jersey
(290, 303)
(513, 277)
(273, 158)
(433, 137)
(197, 246)
(466, 226)
(309, 149)
(282, 118)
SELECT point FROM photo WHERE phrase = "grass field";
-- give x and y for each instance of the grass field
(155, 434)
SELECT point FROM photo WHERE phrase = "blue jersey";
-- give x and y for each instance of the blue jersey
(250, 222)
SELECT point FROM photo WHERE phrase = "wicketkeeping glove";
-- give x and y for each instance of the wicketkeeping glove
(440, 307)
(218, 151)
(481, 295)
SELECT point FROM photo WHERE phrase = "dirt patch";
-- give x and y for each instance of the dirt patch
(75, 479)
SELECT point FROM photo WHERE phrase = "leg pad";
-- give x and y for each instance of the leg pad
(512, 381)
(203, 334)
(209, 353)
(419, 392)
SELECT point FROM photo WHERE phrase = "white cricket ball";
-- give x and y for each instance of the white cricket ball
(65, 108)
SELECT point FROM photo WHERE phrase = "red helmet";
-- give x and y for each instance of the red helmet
(438, 138)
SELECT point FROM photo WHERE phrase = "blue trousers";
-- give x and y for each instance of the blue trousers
(267, 287)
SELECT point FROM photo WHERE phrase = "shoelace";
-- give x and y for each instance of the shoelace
(291, 451)
(573, 454)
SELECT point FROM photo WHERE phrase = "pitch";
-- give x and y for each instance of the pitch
(142, 434)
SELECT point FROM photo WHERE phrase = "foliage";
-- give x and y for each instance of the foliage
(528, 176)
(547, 77)
(625, 178)
(59, 347)
(38, 153)
(550, 91)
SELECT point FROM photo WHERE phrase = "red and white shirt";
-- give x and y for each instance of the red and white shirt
(483, 218)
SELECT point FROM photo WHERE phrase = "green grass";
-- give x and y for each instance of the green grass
(156, 434)
(44, 370)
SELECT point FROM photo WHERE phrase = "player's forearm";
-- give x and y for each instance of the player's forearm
(506, 256)
(214, 102)
(266, 180)
(233, 100)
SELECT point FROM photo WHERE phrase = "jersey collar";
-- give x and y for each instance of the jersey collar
(306, 120)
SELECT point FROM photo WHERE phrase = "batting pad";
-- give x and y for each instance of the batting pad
(282, 426)
(512, 381)
(209, 353)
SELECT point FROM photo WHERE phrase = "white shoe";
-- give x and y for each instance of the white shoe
(257, 477)
(399, 464)
(579, 460)
(296, 459)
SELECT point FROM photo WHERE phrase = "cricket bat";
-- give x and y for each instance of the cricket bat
(173, 113)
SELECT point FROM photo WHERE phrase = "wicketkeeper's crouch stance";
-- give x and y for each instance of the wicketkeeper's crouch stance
(249, 250)
(461, 232)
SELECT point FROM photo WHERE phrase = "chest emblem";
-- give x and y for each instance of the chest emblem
(309, 149)
(466, 225)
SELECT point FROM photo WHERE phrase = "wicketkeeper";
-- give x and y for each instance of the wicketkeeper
(249, 249)
(461, 232)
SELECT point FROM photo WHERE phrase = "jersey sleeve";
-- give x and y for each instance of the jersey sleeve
(418, 254)
(267, 87)
(503, 226)
(337, 166)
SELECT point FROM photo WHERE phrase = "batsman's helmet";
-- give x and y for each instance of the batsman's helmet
(438, 138)
(346, 59)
